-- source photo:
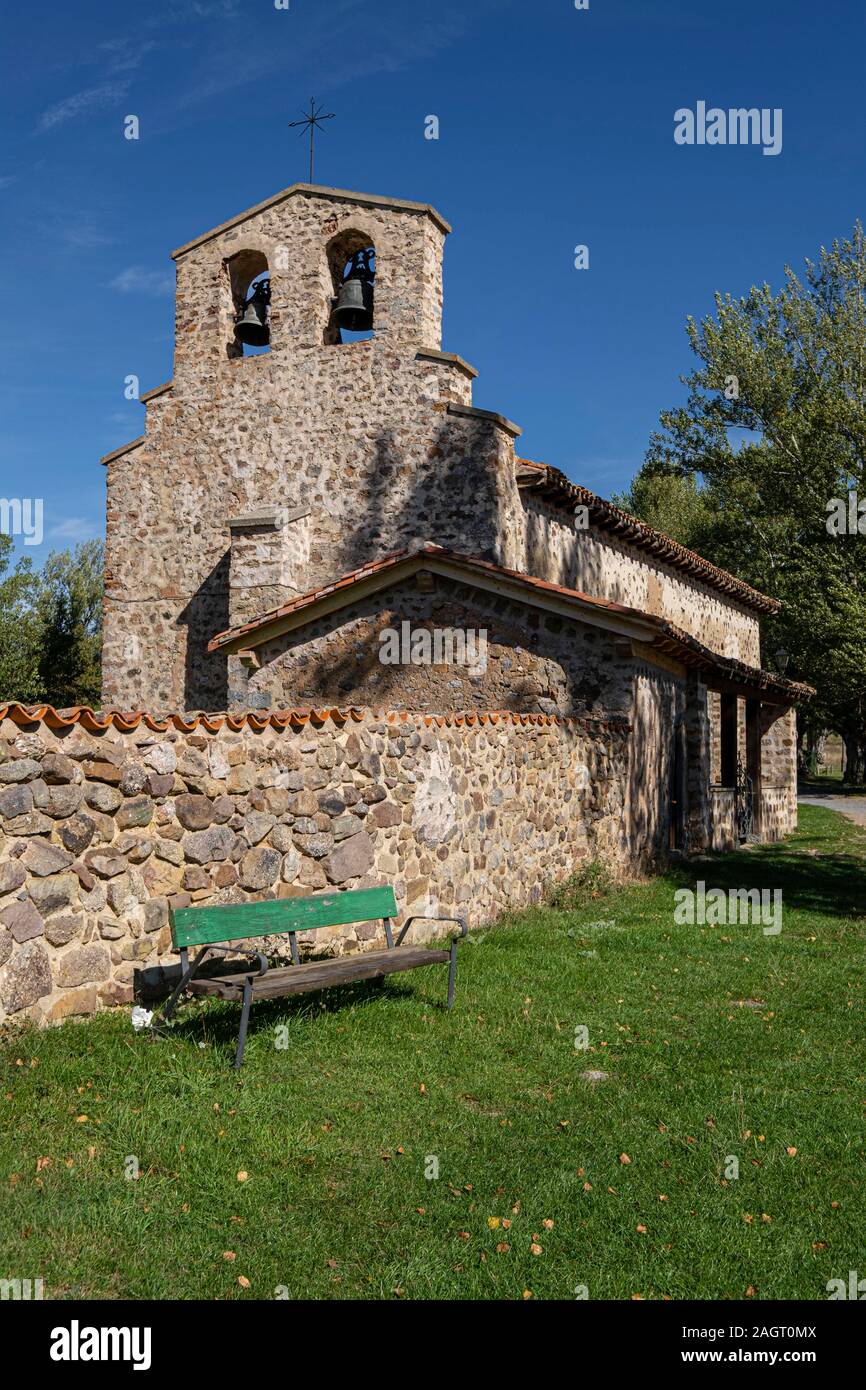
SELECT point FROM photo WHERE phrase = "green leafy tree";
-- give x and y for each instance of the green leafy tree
(773, 429)
(19, 630)
(69, 614)
(673, 503)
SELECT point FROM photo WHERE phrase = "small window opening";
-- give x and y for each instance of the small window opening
(250, 282)
(353, 271)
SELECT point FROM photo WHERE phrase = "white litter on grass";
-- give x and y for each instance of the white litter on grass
(141, 1018)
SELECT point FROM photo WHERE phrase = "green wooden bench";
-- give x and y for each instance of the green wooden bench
(212, 928)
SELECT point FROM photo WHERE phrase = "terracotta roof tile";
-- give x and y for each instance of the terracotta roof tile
(667, 634)
(631, 529)
(126, 721)
(391, 561)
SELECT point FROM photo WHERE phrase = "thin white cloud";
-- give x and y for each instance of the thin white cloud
(88, 100)
(84, 235)
(74, 528)
(124, 55)
(137, 279)
(371, 44)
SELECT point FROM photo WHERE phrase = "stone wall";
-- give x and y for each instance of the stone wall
(107, 821)
(532, 660)
(778, 772)
(597, 563)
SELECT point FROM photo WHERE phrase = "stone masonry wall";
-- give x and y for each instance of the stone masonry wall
(778, 772)
(532, 660)
(103, 828)
(598, 564)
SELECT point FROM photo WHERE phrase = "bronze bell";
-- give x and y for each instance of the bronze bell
(252, 327)
(354, 305)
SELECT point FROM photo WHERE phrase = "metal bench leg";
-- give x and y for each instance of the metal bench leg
(245, 1018)
(187, 972)
(452, 973)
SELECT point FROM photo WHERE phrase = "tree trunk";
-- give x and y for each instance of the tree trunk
(855, 749)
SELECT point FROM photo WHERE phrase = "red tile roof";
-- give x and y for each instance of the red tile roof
(664, 635)
(398, 557)
(126, 721)
(543, 478)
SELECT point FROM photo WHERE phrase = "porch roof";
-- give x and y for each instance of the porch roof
(720, 672)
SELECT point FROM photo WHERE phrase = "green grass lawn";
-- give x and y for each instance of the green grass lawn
(378, 1084)
(830, 782)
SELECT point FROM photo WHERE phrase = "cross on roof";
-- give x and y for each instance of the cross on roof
(312, 119)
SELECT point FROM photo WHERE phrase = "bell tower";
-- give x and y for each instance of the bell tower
(309, 379)
(335, 263)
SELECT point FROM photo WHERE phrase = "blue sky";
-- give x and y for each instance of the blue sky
(556, 129)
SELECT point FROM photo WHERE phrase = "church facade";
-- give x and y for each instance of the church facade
(325, 519)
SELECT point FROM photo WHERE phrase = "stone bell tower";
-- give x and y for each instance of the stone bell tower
(273, 466)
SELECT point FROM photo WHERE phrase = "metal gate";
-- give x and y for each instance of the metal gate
(745, 804)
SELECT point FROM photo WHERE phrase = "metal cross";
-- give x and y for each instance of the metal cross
(313, 119)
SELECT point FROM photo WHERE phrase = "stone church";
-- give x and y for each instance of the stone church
(315, 494)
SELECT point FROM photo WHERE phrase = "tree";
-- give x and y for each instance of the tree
(773, 429)
(19, 630)
(672, 503)
(69, 612)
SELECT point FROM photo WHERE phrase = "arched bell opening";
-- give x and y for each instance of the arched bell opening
(250, 288)
(352, 263)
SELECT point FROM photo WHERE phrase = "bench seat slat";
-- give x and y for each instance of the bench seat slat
(193, 926)
(301, 979)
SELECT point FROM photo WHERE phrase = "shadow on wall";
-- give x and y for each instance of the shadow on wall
(351, 669)
(568, 556)
(528, 660)
(449, 496)
(655, 716)
(205, 683)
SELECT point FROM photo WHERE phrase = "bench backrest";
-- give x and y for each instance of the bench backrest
(202, 926)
